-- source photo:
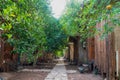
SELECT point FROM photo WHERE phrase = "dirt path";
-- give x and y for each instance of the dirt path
(74, 74)
(78, 76)
(61, 71)
(38, 72)
(24, 75)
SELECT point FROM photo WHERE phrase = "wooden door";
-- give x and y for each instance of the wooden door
(91, 49)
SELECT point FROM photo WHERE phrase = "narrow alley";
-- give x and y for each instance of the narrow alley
(61, 71)
(59, 39)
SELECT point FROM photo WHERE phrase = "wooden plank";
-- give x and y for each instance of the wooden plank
(71, 45)
(101, 51)
(91, 49)
(117, 43)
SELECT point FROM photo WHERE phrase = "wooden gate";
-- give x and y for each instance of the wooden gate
(91, 49)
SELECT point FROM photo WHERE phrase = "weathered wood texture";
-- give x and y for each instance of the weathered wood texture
(66, 55)
(80, 53)
(1, 49)
(83, 57)
(91, 49)
(117, 43)
(105, 58)
(7, 60)
(76, 49)
(111, 56)
(75, 41)
(100, 51)
(71, 45)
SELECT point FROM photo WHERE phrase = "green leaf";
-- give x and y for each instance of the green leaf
(9, 35)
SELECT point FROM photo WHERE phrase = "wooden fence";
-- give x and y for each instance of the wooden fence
(100, 51)
(105, 56)
(117, 49)
(7, 60)
(1, 49)
(91, 48)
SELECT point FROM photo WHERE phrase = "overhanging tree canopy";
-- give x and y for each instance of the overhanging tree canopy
(81, 17)
(30, 27)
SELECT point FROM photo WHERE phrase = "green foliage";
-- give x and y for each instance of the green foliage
(55, 37)
(30, 28)
(59, 53)
(68, 20)
(24, 25)
(81, 18)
